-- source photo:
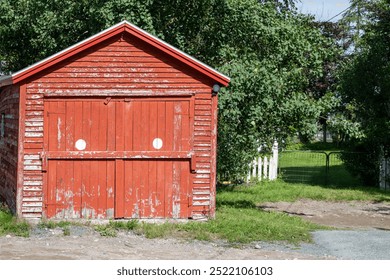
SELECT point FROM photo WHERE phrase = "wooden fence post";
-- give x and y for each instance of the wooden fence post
(264, 168)
(259, 168)
(274, 160)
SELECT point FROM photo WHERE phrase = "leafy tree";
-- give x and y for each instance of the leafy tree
(32, 30)
(271, 52)
(268, 97)
(365, 85)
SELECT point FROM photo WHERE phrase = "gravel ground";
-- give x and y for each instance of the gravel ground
(366, 236)
(341, 244)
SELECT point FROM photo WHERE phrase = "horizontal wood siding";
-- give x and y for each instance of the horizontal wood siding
(202, 183)
(9, 110)
(125, 66)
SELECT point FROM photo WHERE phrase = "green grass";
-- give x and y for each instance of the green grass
(53, 224)
(314, 146)
(10, 225)
(247, 224)
(239, 217)
(282, 191)
(111, 229)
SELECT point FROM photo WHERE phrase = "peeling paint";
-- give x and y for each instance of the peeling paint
(110, 192)
(110, 213)
(59, 135)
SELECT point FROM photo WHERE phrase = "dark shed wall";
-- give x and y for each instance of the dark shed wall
(9, 110)
(126, 66)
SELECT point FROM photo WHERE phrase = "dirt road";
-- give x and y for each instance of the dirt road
(368, 220)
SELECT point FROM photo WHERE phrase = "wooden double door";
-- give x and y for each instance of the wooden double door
(117, 158)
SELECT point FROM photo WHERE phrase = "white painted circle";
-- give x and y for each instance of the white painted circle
(157, 143)
(80, 145)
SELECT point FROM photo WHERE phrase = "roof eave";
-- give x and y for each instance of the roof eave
(6, 80)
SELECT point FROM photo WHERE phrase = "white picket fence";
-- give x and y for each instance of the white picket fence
(384, 174)
(264, 167)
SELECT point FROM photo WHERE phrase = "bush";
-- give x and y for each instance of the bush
(362, 160)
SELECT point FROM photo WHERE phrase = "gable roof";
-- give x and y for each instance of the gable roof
(123, 26)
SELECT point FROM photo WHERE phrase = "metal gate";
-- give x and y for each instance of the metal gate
(315, 168)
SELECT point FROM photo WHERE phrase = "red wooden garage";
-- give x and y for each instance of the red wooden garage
(120, 125)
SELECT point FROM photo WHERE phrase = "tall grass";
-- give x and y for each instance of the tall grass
(10, 225)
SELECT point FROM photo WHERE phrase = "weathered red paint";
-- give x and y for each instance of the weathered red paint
(122, 125)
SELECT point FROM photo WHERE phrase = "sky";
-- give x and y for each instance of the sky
(323, 10)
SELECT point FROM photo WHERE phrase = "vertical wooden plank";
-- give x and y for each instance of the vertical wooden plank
(168, 205)
(153, 125)
(129, 190)
(136, 192)
(152, 164)
(184, 189)
(185, 126)
(110, 189)
(103, 126)
(86, 122)
(128, 133)
(77, 188)
(192, 121)
(60, 189)
(169, 125)
(146, 145)
(161, 119)
(137, 126)
(119, 126)
(20, 159)
(213, 160)
(94, 123)
(77, 164)
(146, 142)
(85, 189)
(160, 188)
(160, 164)
(101, 192)
(53, 131)
(177, 125)
(67, 186)
(51, 189)
(94, 188)
(61, 126)
(69, 126)
(152, 188)
(78, 121)
(119, 188)
(176, 180)
(111, 126)
(144, 188)
(46, 125)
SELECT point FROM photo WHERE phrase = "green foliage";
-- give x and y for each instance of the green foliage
(111, 229)
(271, 52)
(50, 224)
(365, 87)
(10, 225)
(106, 230)
(268, 97)
(33, 30)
